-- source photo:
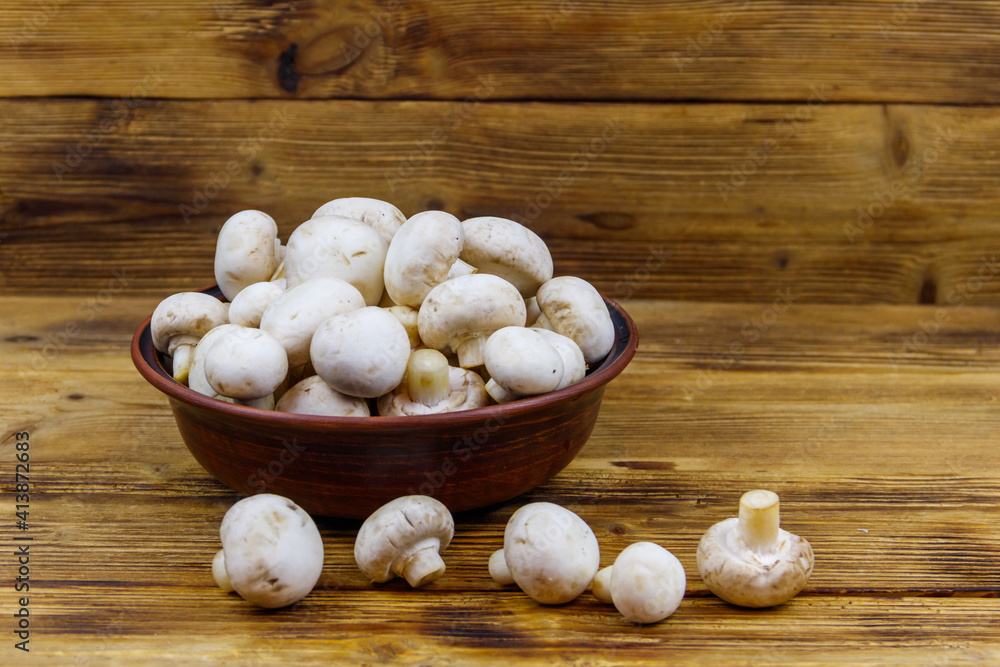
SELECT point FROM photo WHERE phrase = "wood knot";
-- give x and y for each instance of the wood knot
(288, 76)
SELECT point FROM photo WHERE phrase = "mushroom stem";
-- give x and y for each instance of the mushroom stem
(421, 565)
(472, 351)
(498, 393)
(759, 520)
(460, 268)
(427, 377)
(182, 357)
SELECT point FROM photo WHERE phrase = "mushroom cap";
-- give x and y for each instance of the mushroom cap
(647, 583)
(196, 375)
(507, 249)
(421, 255)
(245, 363)
(576, 310)
(498, 568)
(468, 305)
(185, 314)
(252, 301)
(466, 391)
(744, 577)
(246, 251)
(362, 352)
(551, 553)
(522, 361)
(408, 318)
(337, 247)
(394, 531)
(294, 316)
(312, 396)
(273, 550)
(380, 215)
(574, 365)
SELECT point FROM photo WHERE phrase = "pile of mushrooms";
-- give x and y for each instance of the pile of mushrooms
(394, 316)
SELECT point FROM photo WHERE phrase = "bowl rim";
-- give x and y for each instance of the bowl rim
(161, 380)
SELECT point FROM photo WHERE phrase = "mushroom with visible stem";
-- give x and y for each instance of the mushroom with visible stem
(312, 396)
(508, 249)
(179, 322)
(528, 362)
(246, 364)
(647, 583)
(296, 313)
(423, 254)
(750, 561)
(361, 353)
(246, 251)
(336, 247)
(572, 307)
(381, 216)
(219, 571)
(551, 553)
(273, 552)
(499, 570)
(404, 538)
(431, 386)
(460, 314)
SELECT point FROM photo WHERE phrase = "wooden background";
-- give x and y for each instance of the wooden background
(699, 160)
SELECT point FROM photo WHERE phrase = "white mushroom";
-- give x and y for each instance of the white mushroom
(533, 311)
(460, 314)
(248, 306)
(246, 251)
(219, 571)
(408, 318)
(273, 550)
(498, 568)
(404, 538)
(179, 322)
(196, 377)
(312, 396)
(294, 316)
(431, 386)
(336, 247)
(551, 553)
(507, 249)
(647, 583)
(247, 364)
(572, 307)
(361, 353)
(574, 366)
(521, 362)
(750, 561)
(601, 586)
(381, 216)
(423, 254)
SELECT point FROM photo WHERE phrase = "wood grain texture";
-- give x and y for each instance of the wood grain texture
(850, 204)
(881, 457)
(881, 50)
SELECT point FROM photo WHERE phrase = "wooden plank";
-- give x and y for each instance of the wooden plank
(705, 202)
(882, 50)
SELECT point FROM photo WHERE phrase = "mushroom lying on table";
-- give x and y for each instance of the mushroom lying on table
(647, 583)
(273, 552)
(404, 538)
(750, 561)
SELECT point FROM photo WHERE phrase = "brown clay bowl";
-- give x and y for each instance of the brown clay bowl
(349, 466)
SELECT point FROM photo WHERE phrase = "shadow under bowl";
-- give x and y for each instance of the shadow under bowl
(347, 467)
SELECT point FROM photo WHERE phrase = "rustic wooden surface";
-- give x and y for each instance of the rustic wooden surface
(875, 51)
(652, 211)
(797, 202)
(881, 450)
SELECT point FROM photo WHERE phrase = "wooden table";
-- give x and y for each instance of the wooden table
(796, 201)
(883, 460)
